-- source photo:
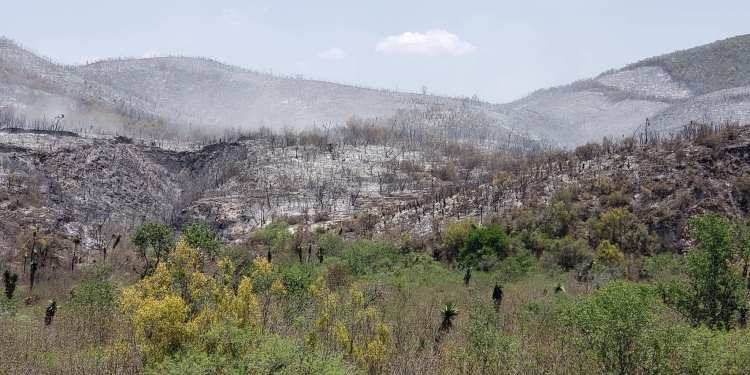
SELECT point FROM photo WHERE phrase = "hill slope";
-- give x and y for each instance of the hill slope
(707, 83)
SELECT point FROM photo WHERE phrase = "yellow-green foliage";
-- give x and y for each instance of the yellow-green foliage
(623, 228)
(456, 233)
(347, 323)
(180, 306)
(609, 255)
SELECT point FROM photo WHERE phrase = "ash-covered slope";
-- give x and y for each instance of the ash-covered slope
(130, 95)
(210, 93)
(40, 88)
(706, 83)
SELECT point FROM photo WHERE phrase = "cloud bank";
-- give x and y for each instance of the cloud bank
(431, 43)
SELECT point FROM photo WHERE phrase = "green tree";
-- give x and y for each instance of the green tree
(201, 237)
(153, 241)
(455, 236)
(714, 293)
(612, 324)
(608, 255)
(484, 243)
(622, 228)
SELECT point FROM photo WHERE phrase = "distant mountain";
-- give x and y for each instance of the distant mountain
(185, 91)
(706, 83)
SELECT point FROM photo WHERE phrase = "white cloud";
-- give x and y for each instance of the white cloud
(431, 43)
(333, 53)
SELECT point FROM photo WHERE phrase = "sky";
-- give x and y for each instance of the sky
(498, 50)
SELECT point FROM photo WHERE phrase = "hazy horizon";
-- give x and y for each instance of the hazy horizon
(499, 52)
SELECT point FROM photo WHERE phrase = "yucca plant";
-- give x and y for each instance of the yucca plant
(497, 296)
(9, 281)
(448, 313)
(49, 313)
(32, 274)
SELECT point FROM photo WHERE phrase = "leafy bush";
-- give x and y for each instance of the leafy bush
(180, 307)
(154, 241)
(609, 255)
(612, 324)
(662, 266)
(274, 236)
(487, 346)
(484, 243)
(202, 238)
(558, 218)
(620, 227)
(515, 267)
(95, 291)
(330, 244)
(278, 355)
(455, 235)
(567, 252)
(715, 292)
(363, 257)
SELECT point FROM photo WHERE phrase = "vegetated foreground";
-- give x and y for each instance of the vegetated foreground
(625, 257)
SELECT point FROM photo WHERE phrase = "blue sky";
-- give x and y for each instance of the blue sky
(498, 50)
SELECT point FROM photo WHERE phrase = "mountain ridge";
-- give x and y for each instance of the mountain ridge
(704, 83)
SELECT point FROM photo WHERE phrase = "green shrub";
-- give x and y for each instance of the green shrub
(662, 266)
(455, 235)
(612, 324)
(297, 277)
(153, 241)
(567, 252)
(202, 238)
(95, 291)
(559, 216)
(515, 267)
(330, 244)
(487, 346)
(275, 236)
(714, 293)
(363, 257)
(484, 244)
(621, 227)
(193, 363)
(608, 255)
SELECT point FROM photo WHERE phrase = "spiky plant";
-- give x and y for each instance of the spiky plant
(9, 281)
(49, 313)
(497, 296)
(32, 274)
(448, 313)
